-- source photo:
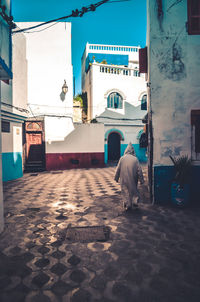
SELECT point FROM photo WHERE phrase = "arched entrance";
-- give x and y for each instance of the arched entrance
(113, 146)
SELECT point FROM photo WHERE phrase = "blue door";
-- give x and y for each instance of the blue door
(114, 146)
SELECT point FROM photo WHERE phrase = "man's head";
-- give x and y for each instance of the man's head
(130, 150)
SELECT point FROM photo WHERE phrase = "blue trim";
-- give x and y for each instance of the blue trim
(6, 69)
(163, 178)
(105, 153)
(116, 131)
(13, 115)
(11, 165)
(140, 152)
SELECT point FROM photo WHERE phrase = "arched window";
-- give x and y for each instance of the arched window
(144, 102)
(114, 100)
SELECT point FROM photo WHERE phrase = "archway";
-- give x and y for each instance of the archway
(113, 146)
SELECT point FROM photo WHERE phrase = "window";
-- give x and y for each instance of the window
(144, 102)
(5, 126)
(114, 100)
(193, 17)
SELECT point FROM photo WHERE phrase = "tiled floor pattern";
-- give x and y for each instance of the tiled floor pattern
(152, 253)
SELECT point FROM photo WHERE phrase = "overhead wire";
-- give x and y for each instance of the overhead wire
(15, 107)
(75, 13)
(37, 31)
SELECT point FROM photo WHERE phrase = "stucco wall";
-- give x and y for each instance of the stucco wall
(12, 152)
(14, 95)
(83, 146)
(129, 134)
(130, 87)
(49, 63)
(83, 138)
(174, 59)
(20, 72)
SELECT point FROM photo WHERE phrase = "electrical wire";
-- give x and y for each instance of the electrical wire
(75, 13)
(15, 107)
(37, 31)
(119, 1)
(121, 119)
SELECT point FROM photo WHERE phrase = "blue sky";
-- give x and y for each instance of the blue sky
(120, 23)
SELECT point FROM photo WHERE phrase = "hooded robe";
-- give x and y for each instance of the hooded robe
(129, 172)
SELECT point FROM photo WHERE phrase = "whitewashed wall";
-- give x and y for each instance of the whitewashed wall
(130, 133)
(99, 85)
(57, 129)
(49, 63)
(130, 87)
(12, 142)
(84, 138)
(20, 73)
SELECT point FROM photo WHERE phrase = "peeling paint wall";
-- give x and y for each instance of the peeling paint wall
(174, 60)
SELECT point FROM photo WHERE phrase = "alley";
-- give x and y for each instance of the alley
(67, 239)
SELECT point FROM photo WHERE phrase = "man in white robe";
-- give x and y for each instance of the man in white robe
(129, 172)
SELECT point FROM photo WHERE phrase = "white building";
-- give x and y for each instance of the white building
(173, 43)
(115, 91)
(51, 110)
(5, 74)
(14, 111)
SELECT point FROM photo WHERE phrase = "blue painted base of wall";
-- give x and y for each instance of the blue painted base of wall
(12, 165)
(163, 177)
(140, 152)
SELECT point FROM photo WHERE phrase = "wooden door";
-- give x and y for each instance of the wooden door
(35, 151)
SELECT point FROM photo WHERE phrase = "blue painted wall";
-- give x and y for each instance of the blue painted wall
(140, 152)
(12, 165)
(163, 177)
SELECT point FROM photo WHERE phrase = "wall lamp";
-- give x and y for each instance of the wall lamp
(64, 87)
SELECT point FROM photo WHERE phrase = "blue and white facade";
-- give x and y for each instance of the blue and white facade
(14, 111)
(115, 91)
(173, 43)
(5, 75)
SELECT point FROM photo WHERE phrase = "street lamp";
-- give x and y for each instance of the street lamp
(64, 87)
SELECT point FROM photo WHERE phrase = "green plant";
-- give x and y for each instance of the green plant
(82, 99)
(182, 165)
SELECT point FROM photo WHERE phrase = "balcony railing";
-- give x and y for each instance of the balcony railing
(120, 71)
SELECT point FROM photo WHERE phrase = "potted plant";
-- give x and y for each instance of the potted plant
(180, 188)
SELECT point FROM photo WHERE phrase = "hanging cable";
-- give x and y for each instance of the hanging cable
(75, 13)
(15, 107)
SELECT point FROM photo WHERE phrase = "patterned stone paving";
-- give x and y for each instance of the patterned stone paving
(152, 254)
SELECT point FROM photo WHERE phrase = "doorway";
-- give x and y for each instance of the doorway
(34, 150)
(114, 146)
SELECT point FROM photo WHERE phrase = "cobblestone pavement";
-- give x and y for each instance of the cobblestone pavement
(151, 254)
